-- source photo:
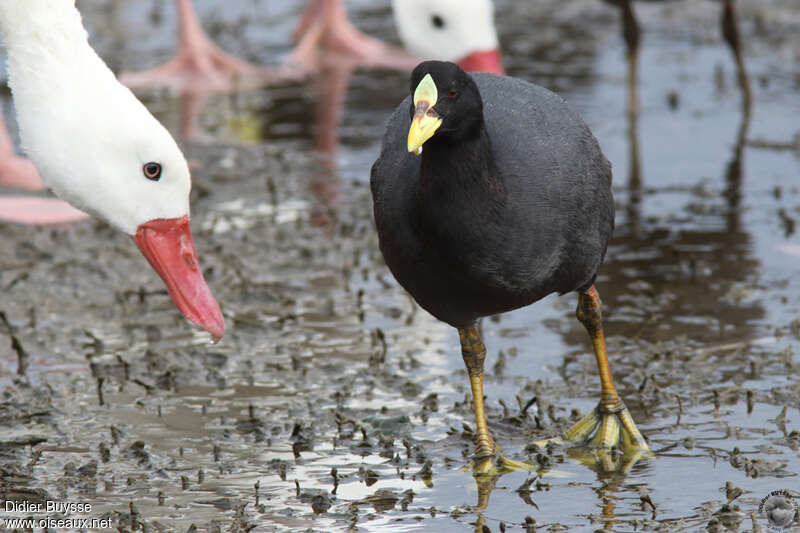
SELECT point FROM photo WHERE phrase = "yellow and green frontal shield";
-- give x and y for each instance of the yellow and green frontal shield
(426, 121)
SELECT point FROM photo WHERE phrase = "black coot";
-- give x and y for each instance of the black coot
(489, 194)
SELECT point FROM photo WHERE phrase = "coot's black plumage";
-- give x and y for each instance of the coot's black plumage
(490, 222)
(509, 201)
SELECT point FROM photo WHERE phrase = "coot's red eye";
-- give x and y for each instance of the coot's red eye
(452, 94)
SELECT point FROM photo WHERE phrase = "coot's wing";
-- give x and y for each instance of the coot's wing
(560, 207)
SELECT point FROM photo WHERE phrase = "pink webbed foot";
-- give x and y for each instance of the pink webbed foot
(34, 210)
(16, 171)
(19, 172)
(199, 64)
(325, 28)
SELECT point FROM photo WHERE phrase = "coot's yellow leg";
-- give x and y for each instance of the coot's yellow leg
(488, 460)
(610, 422)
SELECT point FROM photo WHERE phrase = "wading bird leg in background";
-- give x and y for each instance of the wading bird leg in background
(16, 171)
(488, 459)
(199, 64)
(325, 26)
(632, 34)
(610, 421)
(19, 172)
(730, 31)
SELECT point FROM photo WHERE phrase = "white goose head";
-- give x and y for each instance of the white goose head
(461, 31)
(99, 148)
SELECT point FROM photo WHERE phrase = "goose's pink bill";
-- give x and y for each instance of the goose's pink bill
(168, 245)
(483, 61)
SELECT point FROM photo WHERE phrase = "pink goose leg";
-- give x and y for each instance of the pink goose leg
(19, 172)
(325, 26)
(16, 171)
(199, 64)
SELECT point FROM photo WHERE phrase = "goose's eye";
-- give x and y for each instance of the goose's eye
(452, 94)
(437, 21)
(152, 171)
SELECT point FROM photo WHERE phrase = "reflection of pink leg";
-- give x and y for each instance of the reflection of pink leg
(325, 25)
(199, 63)
(332, 83)
(19, 172)
(192, 104)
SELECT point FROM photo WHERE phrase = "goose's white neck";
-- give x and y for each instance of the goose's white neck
(87, 134)
(43, 27)
(99, 148)
(47, 44)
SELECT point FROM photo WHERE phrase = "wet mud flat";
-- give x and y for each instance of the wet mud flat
(334, 404)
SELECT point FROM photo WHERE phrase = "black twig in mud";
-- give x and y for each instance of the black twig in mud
(100, 401)
(524, 410)
(505, 408)
(147, 387)
(126, 368)
(6, 323)
(104, 451)
(22, 355)
(525, 491)
(732, 491)
(115, 435)
(380, 337)
(96, 344)
(335, 476)
(645, 499)
(135, 523)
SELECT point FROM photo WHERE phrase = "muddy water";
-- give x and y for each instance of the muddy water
(331, 391)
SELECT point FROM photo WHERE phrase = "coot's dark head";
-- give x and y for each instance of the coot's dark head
(446, 105)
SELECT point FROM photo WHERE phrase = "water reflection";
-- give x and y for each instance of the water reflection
(632, 36)
(663, 261)
(655, 270)
(684, 272)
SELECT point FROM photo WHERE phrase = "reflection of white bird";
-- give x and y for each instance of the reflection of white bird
(99, 148)
(780, 510)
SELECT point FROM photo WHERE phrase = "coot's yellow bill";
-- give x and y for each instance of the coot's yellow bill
(426, 121)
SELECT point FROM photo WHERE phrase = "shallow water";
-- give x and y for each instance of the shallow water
(328, 364)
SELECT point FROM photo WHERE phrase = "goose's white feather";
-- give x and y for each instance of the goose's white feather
(87, 134)
(463, 27)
